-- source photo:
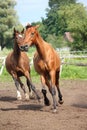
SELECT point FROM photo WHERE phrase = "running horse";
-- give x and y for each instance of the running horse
(46, 62)
(17, 64)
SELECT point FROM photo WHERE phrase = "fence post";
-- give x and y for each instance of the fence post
(3, 64)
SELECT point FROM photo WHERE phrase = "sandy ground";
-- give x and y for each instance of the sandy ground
(32, 115)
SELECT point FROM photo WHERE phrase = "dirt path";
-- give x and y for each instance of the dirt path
(31, 115)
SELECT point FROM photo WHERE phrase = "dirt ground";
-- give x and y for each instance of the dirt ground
(32, 115)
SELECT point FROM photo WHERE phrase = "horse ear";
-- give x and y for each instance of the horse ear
(28, 26)
(22, 31)
(14, 30)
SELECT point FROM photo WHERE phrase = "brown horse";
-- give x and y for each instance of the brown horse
(17, 64)
(49, 60)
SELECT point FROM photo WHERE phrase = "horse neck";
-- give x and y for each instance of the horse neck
(40, 46)
(16, 50)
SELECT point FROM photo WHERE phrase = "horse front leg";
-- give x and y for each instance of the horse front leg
(52, 89)
(44, 91)
(58, 89)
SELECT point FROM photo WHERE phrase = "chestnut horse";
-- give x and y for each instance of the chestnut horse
(17, 64)
(49, 59)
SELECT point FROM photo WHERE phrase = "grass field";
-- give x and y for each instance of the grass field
(68, 71)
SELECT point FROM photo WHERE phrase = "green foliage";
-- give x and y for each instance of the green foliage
(56, 41)
(75, 16)
(8, 19)
(58, 3)
(66, 16)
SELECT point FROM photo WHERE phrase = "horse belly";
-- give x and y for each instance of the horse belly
(19, 73)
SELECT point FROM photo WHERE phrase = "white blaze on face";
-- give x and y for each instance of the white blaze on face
(20, 35)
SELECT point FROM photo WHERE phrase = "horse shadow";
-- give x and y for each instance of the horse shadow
(80, 101)
(33, 104)
(33, 107)
(80, 105)
(8, 99)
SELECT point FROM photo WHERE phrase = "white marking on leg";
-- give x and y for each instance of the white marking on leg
(54, 110)
(26, 96)
(19, 95)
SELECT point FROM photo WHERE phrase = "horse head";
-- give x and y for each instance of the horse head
(29, 36)
(18, 37)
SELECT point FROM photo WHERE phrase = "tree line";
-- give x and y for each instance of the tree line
(62, 16)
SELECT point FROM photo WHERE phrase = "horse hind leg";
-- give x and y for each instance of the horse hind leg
(58, 89)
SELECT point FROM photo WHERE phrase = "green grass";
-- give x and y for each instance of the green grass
(68, 71)
(7, 77)
(74, 72)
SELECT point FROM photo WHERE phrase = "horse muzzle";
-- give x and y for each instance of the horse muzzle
(24, 47)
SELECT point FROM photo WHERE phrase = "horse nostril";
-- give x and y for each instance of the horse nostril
(22, 48)
(26, 47)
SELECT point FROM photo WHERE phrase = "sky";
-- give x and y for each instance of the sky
(30, 11)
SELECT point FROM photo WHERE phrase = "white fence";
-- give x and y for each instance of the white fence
(2, 62)
(63, 55)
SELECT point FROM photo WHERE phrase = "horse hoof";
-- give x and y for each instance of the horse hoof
(47, 103)
(54, 110)
(40, 100)
(61, 101)
(30, 94)
(19, 98)
(26, 96)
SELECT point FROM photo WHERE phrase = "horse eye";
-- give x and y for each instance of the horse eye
(32, 34)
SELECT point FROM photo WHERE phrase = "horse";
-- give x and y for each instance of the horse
(50, 68)
(17, 65)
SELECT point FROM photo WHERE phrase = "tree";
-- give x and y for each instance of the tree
(52, 22)
(58, 3)
(75, 16)
(8, 19)
(54, 26)
(66, 16)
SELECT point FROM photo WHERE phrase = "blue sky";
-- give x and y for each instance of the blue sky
(32, 10)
